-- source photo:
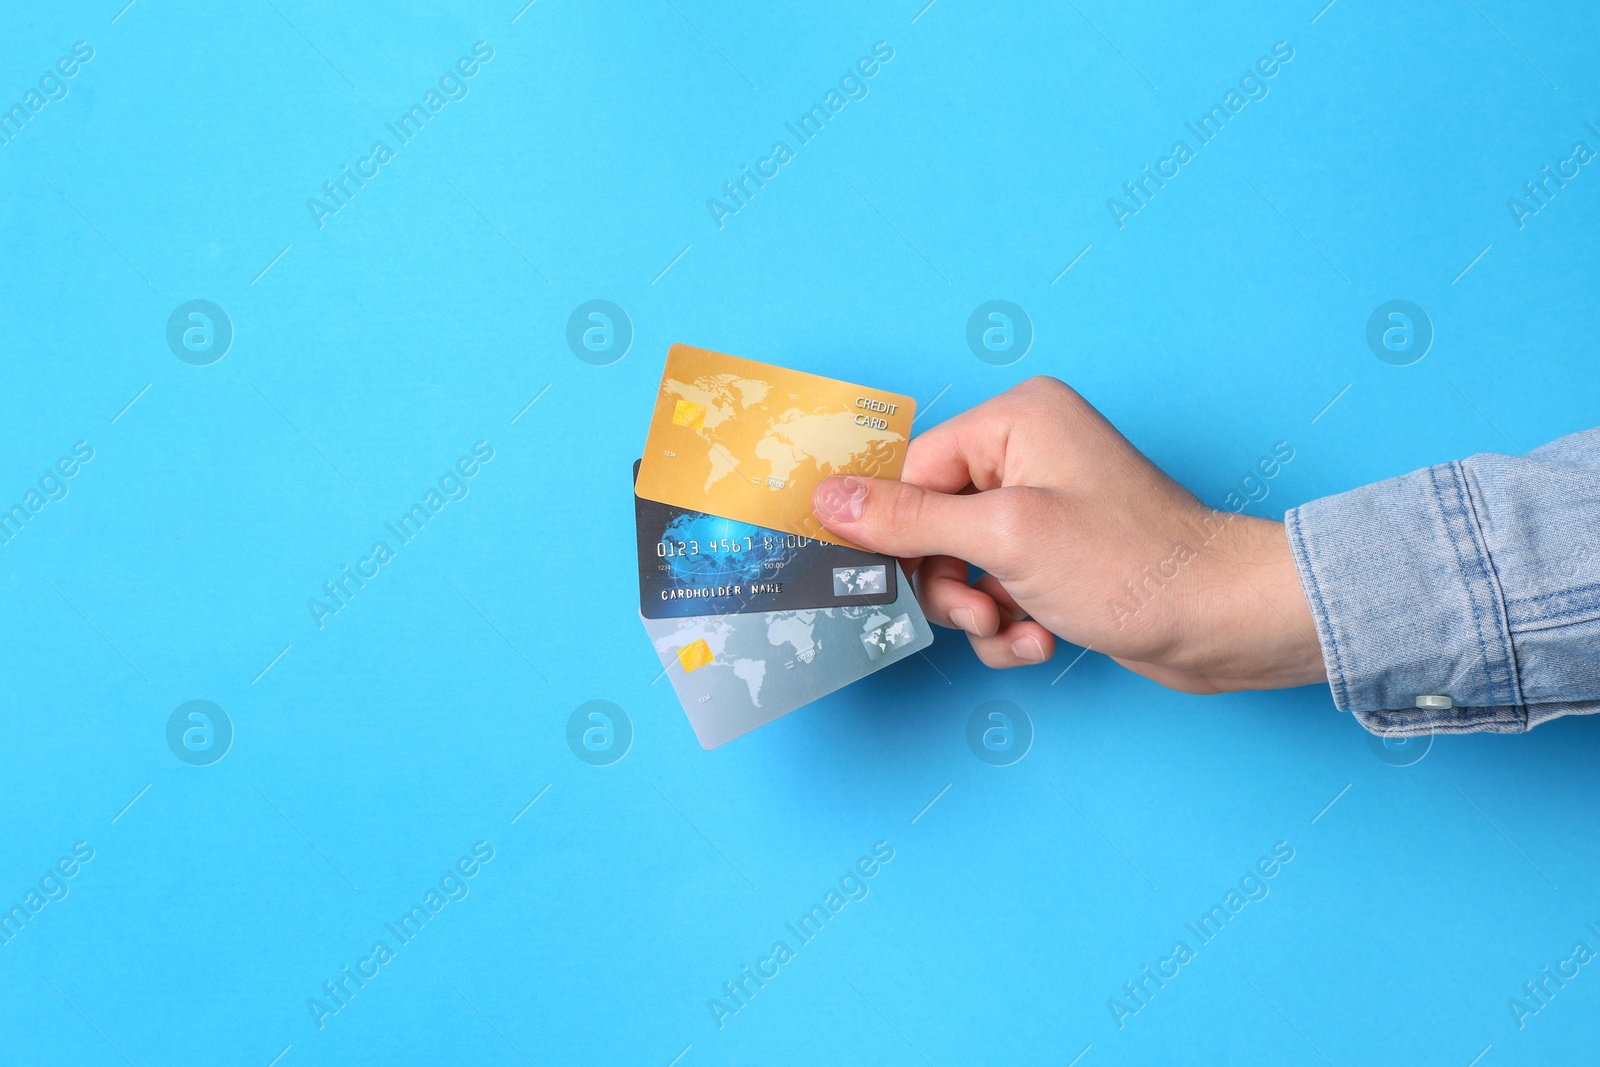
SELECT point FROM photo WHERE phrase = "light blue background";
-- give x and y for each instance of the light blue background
(425, 316)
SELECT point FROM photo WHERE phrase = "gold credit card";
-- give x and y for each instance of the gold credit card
(749, 441)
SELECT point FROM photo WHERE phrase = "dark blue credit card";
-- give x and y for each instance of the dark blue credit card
(691, 564)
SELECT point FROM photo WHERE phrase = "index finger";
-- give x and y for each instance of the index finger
(965, 449)
(1021, 437)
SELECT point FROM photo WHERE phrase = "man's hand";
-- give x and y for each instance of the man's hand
(1080, 536)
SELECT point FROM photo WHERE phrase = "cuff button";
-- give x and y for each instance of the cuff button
(1437, 702)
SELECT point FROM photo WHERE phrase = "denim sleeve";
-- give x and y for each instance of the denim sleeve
(1477, 580)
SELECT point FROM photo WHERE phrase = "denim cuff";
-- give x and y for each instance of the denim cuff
(1506, 719)
(1407, 603)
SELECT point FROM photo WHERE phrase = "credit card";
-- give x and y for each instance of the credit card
(691, 563)
(733, 673)
(749, 440)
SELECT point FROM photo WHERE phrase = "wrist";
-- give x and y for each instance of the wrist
(1253, 629)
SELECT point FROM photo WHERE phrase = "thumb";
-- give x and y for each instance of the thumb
(908, 521)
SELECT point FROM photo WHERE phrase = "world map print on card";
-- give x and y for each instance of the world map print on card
(733, 673)
(749, 441)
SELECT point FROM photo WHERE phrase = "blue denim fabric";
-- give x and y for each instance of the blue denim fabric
(1477, 580)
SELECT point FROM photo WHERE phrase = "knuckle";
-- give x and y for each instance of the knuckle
(1042, 400)
(1013, 524)
(1042, 381)
(1045, 386)
(1014, 514)
(903, 509)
